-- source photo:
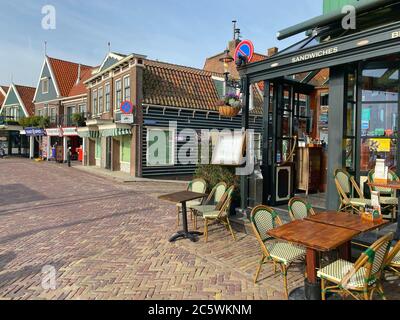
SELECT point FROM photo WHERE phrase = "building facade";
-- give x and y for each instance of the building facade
(17, 104)
(61, 98)
(167, 99)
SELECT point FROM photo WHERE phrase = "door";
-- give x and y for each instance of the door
(116, 151)
(108, 153)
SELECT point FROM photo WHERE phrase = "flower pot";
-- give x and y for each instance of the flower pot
(228, 111)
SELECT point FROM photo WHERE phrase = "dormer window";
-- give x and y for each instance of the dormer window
(45, 85)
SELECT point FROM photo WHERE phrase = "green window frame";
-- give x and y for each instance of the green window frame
(126, 149)
(167, 147)
(98, 149)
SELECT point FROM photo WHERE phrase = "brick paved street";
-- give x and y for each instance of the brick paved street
(109, 240)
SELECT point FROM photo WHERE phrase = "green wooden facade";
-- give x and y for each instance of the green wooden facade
(334, 5)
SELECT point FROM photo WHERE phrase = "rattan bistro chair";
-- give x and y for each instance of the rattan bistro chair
(347, 187)
(221, 214)
(393, 261)
(213, 202)
(197, 185)
(361, 279)
(388, 198)
(300, 209)
(280, 253)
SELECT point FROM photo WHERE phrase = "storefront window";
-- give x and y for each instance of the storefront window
(160, 147)
(379, 118)
(126, 149)
(351, 122)
(98, 148)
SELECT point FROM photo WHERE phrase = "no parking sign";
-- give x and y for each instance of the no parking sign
(245, 50)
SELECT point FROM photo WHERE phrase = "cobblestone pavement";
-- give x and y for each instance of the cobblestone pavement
(109, 240)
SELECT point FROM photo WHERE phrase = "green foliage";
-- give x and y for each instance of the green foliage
(213, 175)
(35, 122)
(78, 119)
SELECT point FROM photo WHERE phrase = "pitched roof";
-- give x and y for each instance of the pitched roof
(27, 94)
(66, 74)
(3, 97)
(80, 88)
(178, 86)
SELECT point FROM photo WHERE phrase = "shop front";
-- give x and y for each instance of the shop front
(12, 143)
(108, 146)
(362, 122)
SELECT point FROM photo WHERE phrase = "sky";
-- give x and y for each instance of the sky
(175, 31)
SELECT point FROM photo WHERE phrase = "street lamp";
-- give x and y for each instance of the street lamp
(226, 60)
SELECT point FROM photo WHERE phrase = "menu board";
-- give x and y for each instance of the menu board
(229, 149)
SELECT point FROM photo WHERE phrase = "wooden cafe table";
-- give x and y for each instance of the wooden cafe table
(183, 197)
(316, 238)
(394, 185)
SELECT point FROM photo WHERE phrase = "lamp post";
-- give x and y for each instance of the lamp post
(229, 82)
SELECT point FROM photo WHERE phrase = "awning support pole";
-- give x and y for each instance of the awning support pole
(244, 180)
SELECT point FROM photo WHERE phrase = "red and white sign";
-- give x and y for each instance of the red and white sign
(245, 49)
(70, 132)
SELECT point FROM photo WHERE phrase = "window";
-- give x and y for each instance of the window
(257, 146)
(12, 113)
(98, 148)
(118, 94)
(126, 149)
(101, 107)
(45, 85)
(40, 112)
(53, 115)
(127, 88)
(95, 109)
(379, 115)
(82, 108)
(160, 147)
(108, 98)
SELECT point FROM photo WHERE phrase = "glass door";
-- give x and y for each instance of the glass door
(379, 100)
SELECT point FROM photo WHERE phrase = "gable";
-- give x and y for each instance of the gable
(108, 63)
(12, 98)
(52, 93)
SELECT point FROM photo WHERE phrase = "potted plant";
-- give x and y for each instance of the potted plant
(230, 106)
(78, 119)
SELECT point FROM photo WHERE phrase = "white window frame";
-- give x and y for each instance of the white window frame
(107, 95)
(173, 132)
(117, 105)
(42, 81)
(95, 102)
(100, 105)
(124, 94)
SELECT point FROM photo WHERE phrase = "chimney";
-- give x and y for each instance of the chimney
(272, 51)
(79, 74)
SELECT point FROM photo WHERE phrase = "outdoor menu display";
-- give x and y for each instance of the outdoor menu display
(229, 149)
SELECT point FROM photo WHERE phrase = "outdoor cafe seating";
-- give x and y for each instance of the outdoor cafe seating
(388, 198)
(198, 186)
(351, 197)
(213, 202)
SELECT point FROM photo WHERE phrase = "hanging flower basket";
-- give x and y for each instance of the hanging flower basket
(228, 111)
(230, 106)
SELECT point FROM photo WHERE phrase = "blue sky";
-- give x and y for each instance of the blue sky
(176, 31)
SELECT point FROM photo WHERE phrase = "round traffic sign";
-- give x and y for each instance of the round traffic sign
(126, 107)
(245, 49)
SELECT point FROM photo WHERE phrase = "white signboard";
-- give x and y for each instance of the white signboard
(229, 149)
(56, 132)
(127, 118)
(68, 132)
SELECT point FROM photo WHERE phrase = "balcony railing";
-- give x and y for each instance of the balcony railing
(69, 120)
(9, 120)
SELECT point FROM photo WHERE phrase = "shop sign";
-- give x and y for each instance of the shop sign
(70, 132)
(54, 132)
(316, 54)
(127, 119)
(35, 132)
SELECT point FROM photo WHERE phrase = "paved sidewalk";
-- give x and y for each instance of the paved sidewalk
(109, 240)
